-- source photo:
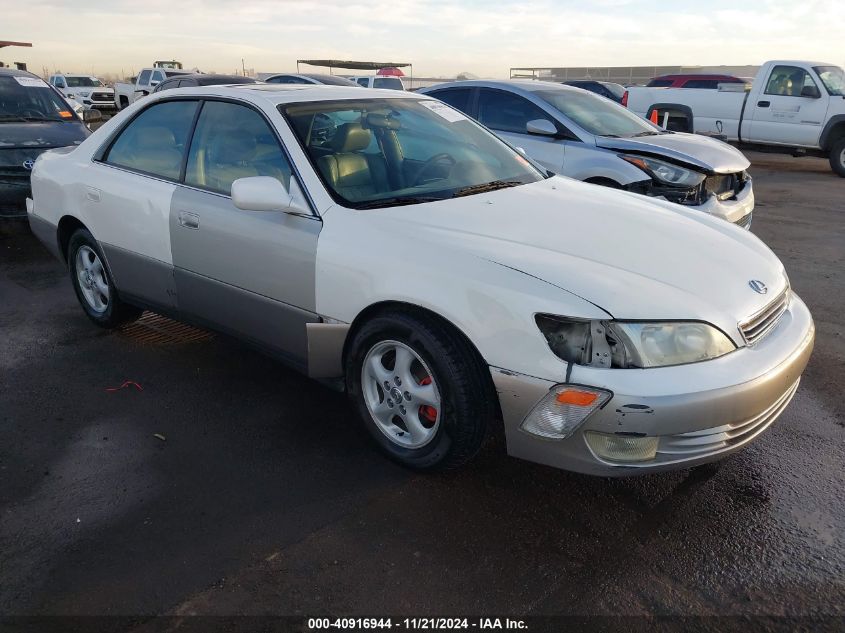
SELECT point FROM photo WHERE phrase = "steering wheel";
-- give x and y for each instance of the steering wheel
(32, 112)
(427, 165)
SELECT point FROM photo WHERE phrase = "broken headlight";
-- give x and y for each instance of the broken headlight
(666, 173)
(626, 345)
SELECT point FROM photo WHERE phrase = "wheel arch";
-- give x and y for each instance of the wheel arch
(67, 226)
(833, 131)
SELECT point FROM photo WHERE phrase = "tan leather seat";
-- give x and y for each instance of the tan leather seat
(155, 152)
(353, 174)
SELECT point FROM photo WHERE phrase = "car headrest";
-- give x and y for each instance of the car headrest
(351, 137)
(156, 138)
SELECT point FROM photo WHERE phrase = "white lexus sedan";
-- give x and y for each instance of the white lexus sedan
(391, 246)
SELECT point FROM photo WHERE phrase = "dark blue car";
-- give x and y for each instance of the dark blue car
(33, 118)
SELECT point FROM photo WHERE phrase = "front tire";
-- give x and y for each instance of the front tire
(420, 390)
(837, 157)
(93, 285)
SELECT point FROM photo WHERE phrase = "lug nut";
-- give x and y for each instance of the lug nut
(407, 396)
(397, 380)
(386, 385)
(402, 409)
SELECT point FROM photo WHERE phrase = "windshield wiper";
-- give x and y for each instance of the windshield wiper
(485, 187)
(646, 133)
(11, 117)
(398, 201)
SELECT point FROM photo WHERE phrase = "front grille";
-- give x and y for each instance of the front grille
(718, 438)
(724, 186)
(102, 96)
(758, 325)
(745, 221)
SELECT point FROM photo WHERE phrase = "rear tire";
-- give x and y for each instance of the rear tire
(837, 157)
(420, 390)
(93, 284)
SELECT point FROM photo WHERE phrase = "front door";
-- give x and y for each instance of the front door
(787, 113)
(247, 272)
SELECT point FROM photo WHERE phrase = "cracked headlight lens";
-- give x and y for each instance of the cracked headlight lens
(666, 173)
(626, 345)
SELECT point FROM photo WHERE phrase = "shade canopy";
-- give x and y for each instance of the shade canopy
(351, 65)
(390, 71)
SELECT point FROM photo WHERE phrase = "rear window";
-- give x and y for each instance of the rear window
(393, 83)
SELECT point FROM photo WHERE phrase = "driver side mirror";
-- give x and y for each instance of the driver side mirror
(811, 91)
(541, 127)
(262, 193)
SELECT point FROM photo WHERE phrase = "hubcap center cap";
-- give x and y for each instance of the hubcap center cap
(396, 394)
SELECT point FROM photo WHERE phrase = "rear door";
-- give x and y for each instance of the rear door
(787, 113)
(128, 194)
(250, 273)
(508, 114)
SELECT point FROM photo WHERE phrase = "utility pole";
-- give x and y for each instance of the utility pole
(243, 67)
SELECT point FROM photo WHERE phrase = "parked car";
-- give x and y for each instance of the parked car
(379, 81)
(576, 133)
(34, 117)
(202, 79)
(435, 274)
(693, 80)
(606, 89)
(793, 107)
(87, 90)
(309, 78)
(144, 83)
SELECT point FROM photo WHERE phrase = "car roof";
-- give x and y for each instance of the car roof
(514, 85)
(291, 93)
(14, 72)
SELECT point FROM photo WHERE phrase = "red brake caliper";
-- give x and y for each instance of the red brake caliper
(427, 412)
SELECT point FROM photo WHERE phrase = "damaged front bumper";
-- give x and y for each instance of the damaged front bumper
(688, 414)
(735, 206)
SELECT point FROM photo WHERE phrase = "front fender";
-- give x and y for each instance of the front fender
(359, 265)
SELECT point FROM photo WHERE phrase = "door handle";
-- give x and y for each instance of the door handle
(763, 104)
(189, 220)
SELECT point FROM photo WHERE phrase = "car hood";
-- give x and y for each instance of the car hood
(694, 149)
(41, 134)
(634, 257)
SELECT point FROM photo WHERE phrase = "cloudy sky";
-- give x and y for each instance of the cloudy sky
(440, 37)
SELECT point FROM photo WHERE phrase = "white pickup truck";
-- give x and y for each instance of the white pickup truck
(125, 94)
(793, 107)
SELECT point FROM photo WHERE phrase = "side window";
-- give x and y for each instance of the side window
(154, 142)
(458, 98)
(659, 83)
(788, 81)
(393, 83)
(364, 81)
(507, 112)
(710, 84)
(144, 77)
(158, 75)
(232, 141)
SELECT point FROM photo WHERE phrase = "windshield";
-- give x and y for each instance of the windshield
(833, 79)
(385, 152)
(596, 114)
(83, 82)
(30, 99)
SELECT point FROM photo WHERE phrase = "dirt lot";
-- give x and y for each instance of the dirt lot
(265, 498)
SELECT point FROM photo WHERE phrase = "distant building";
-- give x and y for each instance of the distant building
(625, 75)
